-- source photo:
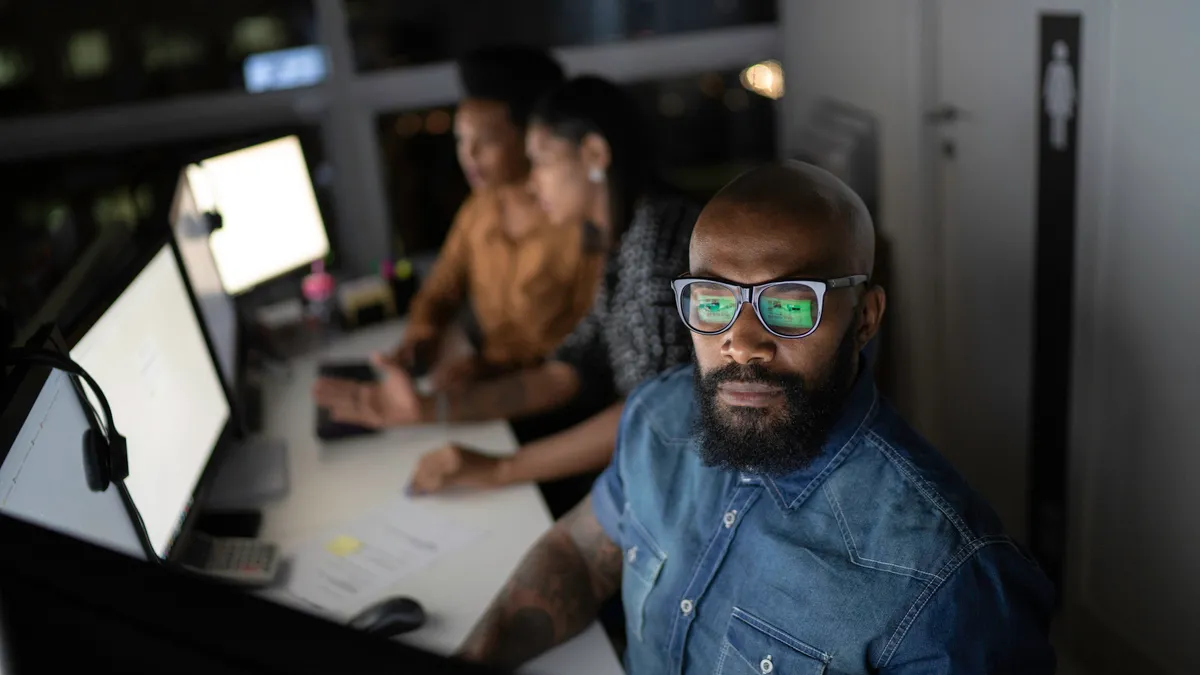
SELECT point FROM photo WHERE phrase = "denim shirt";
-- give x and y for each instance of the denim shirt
(875, 558)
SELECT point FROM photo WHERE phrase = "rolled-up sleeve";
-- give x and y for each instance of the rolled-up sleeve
(608, 492)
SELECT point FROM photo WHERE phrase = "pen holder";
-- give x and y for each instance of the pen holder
(403, 282)
(403, 291)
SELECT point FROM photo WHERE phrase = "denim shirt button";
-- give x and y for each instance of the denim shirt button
(631, 555)
(729, 518)
(766, 666)
(685, 606)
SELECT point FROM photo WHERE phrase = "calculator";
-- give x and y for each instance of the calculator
(239, 560)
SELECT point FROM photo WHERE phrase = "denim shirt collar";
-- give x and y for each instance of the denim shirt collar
(790, 491)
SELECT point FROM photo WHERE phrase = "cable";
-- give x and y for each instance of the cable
(139, 526)
(135, 516)
(55, 360)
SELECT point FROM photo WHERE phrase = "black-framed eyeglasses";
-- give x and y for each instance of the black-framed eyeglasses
(788, 309)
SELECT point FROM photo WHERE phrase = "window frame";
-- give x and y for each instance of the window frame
(345, 107)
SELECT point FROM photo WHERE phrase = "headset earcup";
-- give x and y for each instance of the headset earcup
(96, 463)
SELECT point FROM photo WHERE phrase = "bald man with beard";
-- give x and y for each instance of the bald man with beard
(766, 511)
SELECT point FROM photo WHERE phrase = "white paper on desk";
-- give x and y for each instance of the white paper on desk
(352, 566)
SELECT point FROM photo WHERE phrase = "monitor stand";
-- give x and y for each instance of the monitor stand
(243, 523)
(250, 398)
(253, 471)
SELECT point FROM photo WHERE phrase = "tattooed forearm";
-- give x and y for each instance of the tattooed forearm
(524, 630)
(555, 593)
(601, 555)
(522, 393)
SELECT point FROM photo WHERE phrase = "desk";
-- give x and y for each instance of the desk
(345, 479)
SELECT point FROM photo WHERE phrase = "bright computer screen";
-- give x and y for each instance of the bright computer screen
(147, 353)
(271, 223)
(42, 477)
(217, 307)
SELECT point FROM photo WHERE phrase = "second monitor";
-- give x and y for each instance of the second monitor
(271, 222)
(147, 351)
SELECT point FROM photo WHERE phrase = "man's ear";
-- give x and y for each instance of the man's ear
(595, 152)
(870, 314)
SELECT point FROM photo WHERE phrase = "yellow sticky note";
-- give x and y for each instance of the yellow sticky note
(343, 546)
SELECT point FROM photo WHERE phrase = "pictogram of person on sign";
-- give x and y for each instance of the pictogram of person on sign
(1059, 94)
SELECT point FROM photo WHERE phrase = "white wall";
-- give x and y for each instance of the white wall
(1135, 464)
(868, 53)
(1137, 422)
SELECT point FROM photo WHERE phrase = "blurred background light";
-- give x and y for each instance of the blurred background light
(764, 79)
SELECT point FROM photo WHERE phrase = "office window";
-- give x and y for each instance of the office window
(89, 54)
(707, 128)
(14, 67)
(126, 206)
(388, 34)
(255, 34)
(64, 56)
(422, 178)
(170, 48)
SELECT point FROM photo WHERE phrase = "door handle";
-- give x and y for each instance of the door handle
(945, 114)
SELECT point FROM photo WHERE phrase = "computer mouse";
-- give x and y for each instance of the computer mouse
(389, 617)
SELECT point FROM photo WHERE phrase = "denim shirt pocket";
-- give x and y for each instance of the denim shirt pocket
(754, 647)
(643, 562)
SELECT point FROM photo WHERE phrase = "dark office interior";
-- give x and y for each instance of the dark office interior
(366, 310)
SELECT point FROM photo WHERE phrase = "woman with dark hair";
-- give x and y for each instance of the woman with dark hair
(589, 163)
(609, 166)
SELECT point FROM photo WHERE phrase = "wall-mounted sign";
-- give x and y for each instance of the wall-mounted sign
(1060, 56)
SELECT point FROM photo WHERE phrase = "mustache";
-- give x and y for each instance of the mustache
(751, 373)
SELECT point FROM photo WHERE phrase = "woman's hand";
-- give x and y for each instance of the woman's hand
(391, 402)
(417, 352)
(453, 466)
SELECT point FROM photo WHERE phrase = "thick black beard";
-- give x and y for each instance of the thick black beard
(771, 442)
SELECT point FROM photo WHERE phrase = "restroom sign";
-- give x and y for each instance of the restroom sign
(1059, 95)
(1059, 90)
(1059, 99)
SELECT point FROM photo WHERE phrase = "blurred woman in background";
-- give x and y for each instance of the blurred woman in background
(590, 163)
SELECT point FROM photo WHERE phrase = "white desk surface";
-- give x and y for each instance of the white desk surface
(345, 479)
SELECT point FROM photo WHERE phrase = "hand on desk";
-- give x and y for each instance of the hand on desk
(392, 402)
(452, 467)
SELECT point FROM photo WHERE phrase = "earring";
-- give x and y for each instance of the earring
(596, 174)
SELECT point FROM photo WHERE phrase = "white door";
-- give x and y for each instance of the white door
(987, 74)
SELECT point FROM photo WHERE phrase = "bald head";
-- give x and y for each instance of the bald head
(769, 391)
(796, 217)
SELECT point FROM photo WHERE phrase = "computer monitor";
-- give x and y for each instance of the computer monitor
(42, 479)
(148, 353)
(271, 223)
(191, 228)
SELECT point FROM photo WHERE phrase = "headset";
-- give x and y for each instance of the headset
(105, 452)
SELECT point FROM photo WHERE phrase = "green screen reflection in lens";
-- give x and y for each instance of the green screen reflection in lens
(717, 309)
(788, 313)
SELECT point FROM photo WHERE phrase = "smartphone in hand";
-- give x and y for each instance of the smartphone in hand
(359, 371)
